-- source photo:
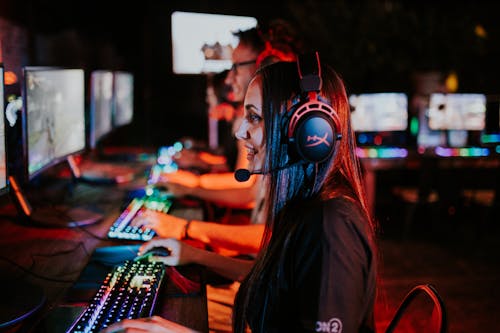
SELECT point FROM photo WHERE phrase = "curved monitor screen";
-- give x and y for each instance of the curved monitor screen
(101, 105)
(54, 109)
(457, 112)
(379, 112)
(3, 160)
(123, 98)
(203, 43)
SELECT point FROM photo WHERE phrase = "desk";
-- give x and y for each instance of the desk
(56, 257)
(447, 174)
(372, 165)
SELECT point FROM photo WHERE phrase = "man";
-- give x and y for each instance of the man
(255, 48)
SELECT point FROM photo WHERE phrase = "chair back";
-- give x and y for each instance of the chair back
(422, 310)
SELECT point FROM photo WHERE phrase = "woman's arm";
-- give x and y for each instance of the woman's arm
(225, 190)
(222, 188)
(240, 238)
(182, 254)
(153, 324)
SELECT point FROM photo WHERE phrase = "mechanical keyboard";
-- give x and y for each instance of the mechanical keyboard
(126, 225)
(129, 291)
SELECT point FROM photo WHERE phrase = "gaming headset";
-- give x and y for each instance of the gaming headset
(311, 125)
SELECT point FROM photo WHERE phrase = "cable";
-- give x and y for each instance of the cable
(80, 244)
(82, 228)
(33, 273)
(33, 256)
(12, 218)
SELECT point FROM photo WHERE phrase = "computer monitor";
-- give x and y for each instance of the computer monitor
(53, 126)
(123, 98)
(491, 133)
(463, 112)
(379, 118)
(101, 106)
(28, 298)
(122, 113)
(460, 116)
(54, 116)
(102, 101)
(202, 43)
(452, 125)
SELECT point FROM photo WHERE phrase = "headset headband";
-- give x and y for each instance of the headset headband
(310, 65)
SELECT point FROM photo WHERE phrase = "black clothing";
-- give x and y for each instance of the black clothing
(326, 278)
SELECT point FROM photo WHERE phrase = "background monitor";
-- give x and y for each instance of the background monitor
(464, 112)
(491, 133)
(123, 98)
(54, 116)
(101, 105)
(3, 159)
(493, 115)
(380, 119)
(379, 112)
(203, 43)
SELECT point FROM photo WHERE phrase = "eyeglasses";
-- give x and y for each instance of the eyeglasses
(235, 65)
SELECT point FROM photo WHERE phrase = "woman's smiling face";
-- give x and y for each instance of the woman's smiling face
(251, 130)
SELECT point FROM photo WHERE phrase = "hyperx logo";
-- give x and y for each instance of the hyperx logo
(317, 140)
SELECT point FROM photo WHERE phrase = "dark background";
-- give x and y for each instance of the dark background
(376, 45)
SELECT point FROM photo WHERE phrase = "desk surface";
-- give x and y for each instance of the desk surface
(54, 259)
(453, 173)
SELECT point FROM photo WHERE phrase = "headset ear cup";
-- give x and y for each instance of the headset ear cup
(313, 130)
(314, 137)
(312, 125)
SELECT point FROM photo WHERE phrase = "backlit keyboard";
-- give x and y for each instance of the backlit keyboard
(127, 226)
(129, 291)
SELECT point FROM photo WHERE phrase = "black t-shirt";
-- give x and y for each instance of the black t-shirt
(327, 281)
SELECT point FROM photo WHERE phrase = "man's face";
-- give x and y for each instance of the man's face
(244, 68)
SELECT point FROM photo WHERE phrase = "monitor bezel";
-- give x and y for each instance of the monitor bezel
(24, 125)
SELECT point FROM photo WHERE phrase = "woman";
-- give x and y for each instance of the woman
(316, 271)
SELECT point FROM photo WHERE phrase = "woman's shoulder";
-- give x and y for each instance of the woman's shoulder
(343, 215)
(343, 205)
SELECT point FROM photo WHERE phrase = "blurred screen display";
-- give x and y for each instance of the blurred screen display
(101, 105)
(203, 43)
(379, 112)
(55, 113)
(123, 98)
(457, 112)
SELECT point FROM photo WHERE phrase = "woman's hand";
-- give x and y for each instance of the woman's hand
(180, 252)
(153, 324)
(165, 225)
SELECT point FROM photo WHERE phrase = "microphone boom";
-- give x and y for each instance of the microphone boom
(242, 175)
